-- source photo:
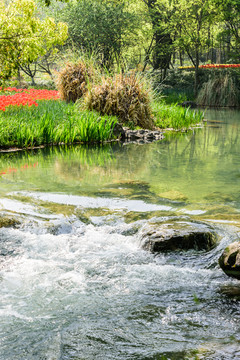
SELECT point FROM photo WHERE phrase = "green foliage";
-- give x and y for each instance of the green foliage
(52, 122)
(196, 299)
(161, 47)
(123, 96)
(195, 19)
(174, 116)
(229, 11)
(177, 81)
(175, 97)
(24, 37)
(105, 27)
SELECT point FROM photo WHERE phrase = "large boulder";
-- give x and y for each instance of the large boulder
(229, 261)
(177, 235)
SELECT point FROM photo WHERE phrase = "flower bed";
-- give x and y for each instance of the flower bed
(211, 66)
(23, 97)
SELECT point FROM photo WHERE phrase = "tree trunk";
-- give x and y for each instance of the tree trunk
(181, 57)
(162, 50)
(33, 81)
(19, 77)
(196, 79)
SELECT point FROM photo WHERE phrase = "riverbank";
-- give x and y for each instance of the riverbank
(54, 122)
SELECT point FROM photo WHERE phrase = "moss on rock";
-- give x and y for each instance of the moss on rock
(6, 221)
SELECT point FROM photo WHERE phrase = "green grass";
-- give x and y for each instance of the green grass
(174, 116)
(56, 122)
(174, 96)
(52, 122)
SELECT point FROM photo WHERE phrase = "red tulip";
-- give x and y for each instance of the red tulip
(26, 97)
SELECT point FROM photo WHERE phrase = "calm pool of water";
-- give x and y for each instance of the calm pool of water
(74, 281)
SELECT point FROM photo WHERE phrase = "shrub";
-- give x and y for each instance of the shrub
(123, 96)
(220, 90)
(73, 80)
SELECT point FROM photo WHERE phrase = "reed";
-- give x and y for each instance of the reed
(73, 80)
(52, 122)
(219, 91)
(124, 96)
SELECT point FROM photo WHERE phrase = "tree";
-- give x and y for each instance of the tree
(192, 20)
(104, 27)
(230, 34)
(160, 13)
(24, 37)
(44, 64)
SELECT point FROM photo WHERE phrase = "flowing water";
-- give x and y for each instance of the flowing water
(74, 280)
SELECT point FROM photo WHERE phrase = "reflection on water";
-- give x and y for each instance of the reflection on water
(75, 283)
(199, 168)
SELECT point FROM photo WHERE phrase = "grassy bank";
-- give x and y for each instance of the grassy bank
(175, 116)
(52, 122)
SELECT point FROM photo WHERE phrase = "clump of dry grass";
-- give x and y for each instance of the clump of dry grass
(73, 81)
(219, 91)
(123, 96)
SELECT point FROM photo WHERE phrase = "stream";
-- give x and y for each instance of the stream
(75, 283)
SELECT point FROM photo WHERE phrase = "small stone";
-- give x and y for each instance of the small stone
(118, 130)
(150, 136)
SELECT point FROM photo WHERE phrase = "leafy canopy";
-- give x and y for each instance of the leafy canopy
(24, 36)
(104, 27)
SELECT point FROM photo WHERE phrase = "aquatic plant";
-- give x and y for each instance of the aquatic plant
(174, 116)
(124, 96)
(52, 122)
(221, 90)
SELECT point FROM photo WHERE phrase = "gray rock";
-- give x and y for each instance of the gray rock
(136, 136)
(141, 136)
(177, 235)
(229, 261)
(118, 130)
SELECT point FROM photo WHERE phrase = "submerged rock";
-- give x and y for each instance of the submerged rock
(177, 235)
(8, 221)
(229, 261)
(231, 291)
(174, 195)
